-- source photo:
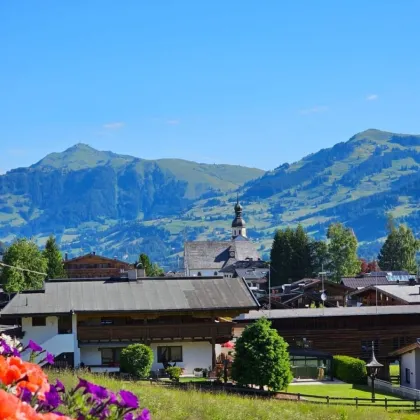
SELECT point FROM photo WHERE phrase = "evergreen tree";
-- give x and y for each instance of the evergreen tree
(261, 357)
(342, 249)
(281, 257)
(301, 255)
(290, 256)
(55, 267)
(151, 269)
(399, 250)
(24, 254)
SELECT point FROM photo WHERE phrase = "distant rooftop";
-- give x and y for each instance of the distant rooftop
(409, 294)
(329, 312)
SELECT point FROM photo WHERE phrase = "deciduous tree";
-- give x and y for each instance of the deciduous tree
(261, 357)
(342, 249)
(151, 269)
(399, 250)
(23, 254)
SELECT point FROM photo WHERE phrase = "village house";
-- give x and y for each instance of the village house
(89, 321)
(308, 292)
(409, 359)
(94, 266)
(325, 332)
(385, 295)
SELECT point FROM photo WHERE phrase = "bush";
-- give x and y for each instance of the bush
(136, 359)
(350, 369)
(261, 357)
(174, 373)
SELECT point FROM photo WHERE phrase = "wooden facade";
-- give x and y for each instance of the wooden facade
(94, 266)
(371, 297)
(350, 335)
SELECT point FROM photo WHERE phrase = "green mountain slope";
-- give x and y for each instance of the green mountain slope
(119, 205)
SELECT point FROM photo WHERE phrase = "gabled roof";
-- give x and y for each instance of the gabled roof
(214, 255)
(403, 292)
(360, 282)
(405, 349)
(144, 295)
(92, 255)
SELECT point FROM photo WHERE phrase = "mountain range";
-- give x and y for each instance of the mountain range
(120, 205)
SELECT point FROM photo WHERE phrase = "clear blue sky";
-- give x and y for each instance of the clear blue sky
(256, 83)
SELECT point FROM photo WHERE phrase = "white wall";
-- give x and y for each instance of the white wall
(194, 354)
(90, 356)
(39, 334)
(408, 361)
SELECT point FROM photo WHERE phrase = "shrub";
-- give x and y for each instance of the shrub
(174, 373)
(261, 357)
(136, 359)
(350, 369)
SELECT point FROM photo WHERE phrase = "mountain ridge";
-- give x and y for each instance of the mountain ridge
(116, 204)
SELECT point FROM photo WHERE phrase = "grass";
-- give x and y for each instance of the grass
(343, 391)
(173, 404)
(394, 370)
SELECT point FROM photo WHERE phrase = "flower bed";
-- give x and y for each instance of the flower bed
(25, 392)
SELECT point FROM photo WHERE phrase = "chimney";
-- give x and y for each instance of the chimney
(66, 256)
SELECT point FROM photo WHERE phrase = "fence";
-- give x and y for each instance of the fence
(306, 398)
(401, 391)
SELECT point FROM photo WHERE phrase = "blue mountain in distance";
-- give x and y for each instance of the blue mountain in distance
(117, 204)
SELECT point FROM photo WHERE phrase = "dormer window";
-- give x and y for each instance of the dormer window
(232, 254)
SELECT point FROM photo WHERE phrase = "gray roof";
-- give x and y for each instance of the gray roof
(214, 255)
(409, 294)
(330, 312)
(144, 295)
(361, 282)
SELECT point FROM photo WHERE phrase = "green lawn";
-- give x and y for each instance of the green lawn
(172, 404)
(394, 370)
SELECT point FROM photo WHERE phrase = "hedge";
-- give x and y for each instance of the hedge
(350, 369)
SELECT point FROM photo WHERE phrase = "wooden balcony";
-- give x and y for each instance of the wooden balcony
(221, 332)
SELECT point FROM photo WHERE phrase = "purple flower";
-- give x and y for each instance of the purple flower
(96, 391)
(145, 415)
(112, 399)
(34, 347)
(83, 383)
(6, 348)
(52, 397)
(49, 358)
(15, 352)
(128, 400)
(25, 395)
(59, 386)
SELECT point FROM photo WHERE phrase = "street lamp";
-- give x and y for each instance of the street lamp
(373, 367)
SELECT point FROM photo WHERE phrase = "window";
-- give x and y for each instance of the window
(110, 357)
(64, 325)
(169, 354)
(407, 375)
(39, 321)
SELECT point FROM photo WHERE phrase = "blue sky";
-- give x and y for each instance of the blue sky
(255, 83)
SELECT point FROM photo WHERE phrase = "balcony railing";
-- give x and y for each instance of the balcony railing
(221, 332)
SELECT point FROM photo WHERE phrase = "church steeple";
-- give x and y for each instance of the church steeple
(238, 224)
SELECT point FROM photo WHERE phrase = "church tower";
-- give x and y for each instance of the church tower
(238, 224)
